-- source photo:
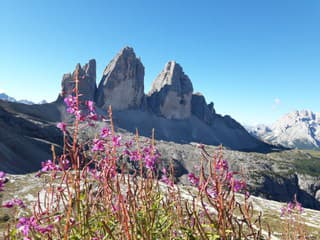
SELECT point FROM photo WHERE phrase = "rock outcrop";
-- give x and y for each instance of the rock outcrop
(205, 112)
(171, 93)
(122, 83)
(87, 81)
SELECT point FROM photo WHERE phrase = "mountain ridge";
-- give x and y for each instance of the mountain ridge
(6, 97)
(297, 129)
(171, 103)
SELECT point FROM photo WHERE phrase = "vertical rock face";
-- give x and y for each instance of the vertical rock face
(201, 110)
(122, 83)
(87, 81)
(171, 93)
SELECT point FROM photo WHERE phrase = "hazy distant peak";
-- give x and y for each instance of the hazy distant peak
(297, 129)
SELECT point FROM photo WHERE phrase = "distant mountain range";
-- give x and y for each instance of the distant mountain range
(298, 129)
(5, 97)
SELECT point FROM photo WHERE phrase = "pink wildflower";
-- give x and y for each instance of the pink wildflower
(116, 141)
(165, 179)
(90, 105)
(98, 145)
(16, 202)
(193, 179)
(49, 166)
(105, 132)
(62, 126)
(238, 185)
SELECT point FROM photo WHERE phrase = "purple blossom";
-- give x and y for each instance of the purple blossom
(93, 116)
(57, 219)
(135, 156)
(150, 161)
(98, 145)
(291, 207)
(129, 144)
(150, 156)
(49, 166)
(211, 192)
(105, 132)
(44, 230)
(116, 141)
(238, 185)
(24, 225)
(193, 179)
(62, 126)
(165, 179)
(70, 100)
(81, 117)
(90, 105)
(229, 176)
(65, 164)
(222, 165)
(71, 103)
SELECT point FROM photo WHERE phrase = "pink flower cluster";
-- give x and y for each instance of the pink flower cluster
(291, 207)
(82, 115)
(100, 143)
(71, 103)
(226, 177)
(49, 166)
(27, 224)
(149, 155)
(16, 202)
(165, 179)
(62, 126)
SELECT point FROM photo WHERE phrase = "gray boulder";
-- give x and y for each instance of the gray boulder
(171, 93)
(87, 81)
(122, 83)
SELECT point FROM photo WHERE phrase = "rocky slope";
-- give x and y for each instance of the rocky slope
(298, 129)
(26, 136)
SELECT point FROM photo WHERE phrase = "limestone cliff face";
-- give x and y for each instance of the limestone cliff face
(171, 93)
(205, 112)
(122, 83)
(87, 81)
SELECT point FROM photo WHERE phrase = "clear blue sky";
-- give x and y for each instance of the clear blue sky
(256, 60)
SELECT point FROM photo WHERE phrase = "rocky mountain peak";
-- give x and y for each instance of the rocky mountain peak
(171, 93)
(122, 83)
(172, 75)
(298, 129)
(87, 81)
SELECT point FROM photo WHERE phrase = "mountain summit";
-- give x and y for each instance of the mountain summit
(171, 93)
(298, 129)
(122, 83)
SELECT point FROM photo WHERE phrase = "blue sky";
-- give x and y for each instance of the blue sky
(256, 60)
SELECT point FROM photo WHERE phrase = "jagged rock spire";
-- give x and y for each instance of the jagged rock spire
(171, 93)
(122, 83)
(87, 81)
